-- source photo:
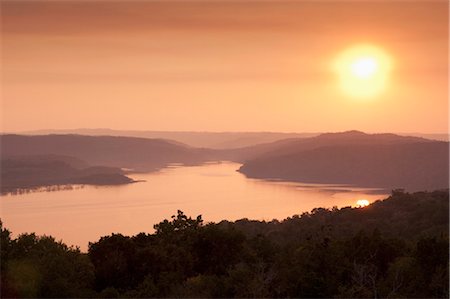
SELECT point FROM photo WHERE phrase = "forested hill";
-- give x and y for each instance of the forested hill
(291, 146)
(395, 248)
(370, 160)
(26, 173)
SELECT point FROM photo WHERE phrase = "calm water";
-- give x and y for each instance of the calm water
(215, 191)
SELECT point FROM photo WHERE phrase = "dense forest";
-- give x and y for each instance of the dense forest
(394, 248)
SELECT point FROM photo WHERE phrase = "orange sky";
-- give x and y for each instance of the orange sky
(219, 66)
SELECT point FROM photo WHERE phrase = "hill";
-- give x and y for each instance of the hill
(23, 173)
(295, 145)
(140, 154)
(371, 160)
(213, 140)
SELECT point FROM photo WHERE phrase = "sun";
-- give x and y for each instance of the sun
(364, 67)
(363, 70)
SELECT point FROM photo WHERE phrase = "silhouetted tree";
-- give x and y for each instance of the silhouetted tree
(395, 248)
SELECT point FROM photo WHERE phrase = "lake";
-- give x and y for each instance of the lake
(216, 191)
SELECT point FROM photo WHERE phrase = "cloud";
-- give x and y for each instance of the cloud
(426, 18)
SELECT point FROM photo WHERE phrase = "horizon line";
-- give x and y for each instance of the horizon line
(217, 132)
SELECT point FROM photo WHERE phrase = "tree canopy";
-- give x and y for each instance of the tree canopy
(397, 247)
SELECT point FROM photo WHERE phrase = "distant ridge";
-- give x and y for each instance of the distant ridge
(213, 140)
(294, 145)
(141, 154)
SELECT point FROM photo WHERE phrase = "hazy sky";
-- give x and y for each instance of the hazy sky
(219, 65)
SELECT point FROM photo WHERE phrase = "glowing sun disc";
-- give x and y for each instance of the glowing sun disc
(364, 67)
(363, 70)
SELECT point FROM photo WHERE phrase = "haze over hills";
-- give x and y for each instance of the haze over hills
(140, 154)
(293, 145)
(213, 140)
(386, 161)
(29, 162)
(371, 160)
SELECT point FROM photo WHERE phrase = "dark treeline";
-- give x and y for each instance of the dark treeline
(394, 248)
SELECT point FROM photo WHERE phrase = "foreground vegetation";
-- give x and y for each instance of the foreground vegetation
(393, 248)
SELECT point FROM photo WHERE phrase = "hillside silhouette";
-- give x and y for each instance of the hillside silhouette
(372, 160)
(214, 140)
(386, 161)
(139, 154)
(21, 173)
(294, 145)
